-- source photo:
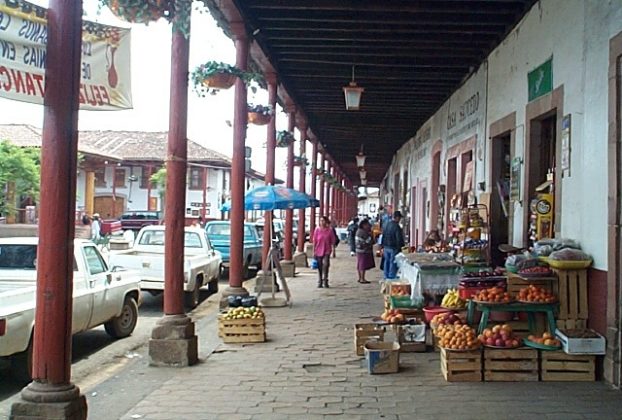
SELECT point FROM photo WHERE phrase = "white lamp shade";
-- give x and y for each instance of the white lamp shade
(363, 182)
(360, 160)
(352, 95)
(363, 173)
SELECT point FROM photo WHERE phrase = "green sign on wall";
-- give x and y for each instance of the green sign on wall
(540, 80)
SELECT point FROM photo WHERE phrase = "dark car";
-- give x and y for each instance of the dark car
(135, 220)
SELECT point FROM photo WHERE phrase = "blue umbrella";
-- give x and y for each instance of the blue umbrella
(275, 197)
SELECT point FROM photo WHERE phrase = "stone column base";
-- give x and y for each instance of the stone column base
(300, 259)
(231, 291)
(173, 342)
(309, 250)
(288, 268)
(44, 401)
(265, 278)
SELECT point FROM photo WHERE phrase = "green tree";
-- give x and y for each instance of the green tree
(158, 179)
(22, 167)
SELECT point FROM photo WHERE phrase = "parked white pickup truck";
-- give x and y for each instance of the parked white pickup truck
(100, 296)
(201, 261)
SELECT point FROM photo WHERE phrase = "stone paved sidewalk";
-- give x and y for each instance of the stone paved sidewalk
(308, 370)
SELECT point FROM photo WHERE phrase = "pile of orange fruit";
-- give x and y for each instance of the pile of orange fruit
(392, 316)
(535, 294)
(493, 295)
(400, 290)
(457, 337)
(547, 339)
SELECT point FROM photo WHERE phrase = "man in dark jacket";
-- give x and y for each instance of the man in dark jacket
(392, 243)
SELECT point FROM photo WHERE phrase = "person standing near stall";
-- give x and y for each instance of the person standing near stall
(364, 250)
(323, 243)
(392, 243)
(353, 226)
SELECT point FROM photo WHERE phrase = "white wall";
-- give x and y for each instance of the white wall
(576, 34)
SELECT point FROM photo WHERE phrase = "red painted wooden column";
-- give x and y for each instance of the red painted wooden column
(329, 202)
(302, 186)
(271, 80)
(333, 197)
(312, 211)
(176, 174)
(240, 114)
(321, 194)
(289, 214)
(51, 369)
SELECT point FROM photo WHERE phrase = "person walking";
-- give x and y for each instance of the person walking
(392, 243)
(95, 227)
(323, 244)
(364, 250)
(353, 226)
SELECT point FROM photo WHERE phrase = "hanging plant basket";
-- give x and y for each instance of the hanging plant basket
(284, 138)
(219, 81)
(300, 161)
(259, 114)
(145, 11)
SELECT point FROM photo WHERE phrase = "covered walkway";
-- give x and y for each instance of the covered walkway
(308, 369)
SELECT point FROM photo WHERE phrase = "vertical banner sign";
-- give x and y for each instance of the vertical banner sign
(515, 179)
(105, 83)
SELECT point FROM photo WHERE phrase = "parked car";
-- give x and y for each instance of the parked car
(137, 219)
(100, 296)
(201, 261)
(219, 233)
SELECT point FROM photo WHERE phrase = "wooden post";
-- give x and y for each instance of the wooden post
(289, 214)
(313, 188)
(270, 159)
(89, 193)
(302, 187)
(51, 395)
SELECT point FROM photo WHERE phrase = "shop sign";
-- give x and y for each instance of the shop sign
(465, 109)
(515, 179)
(566, 144)
(105, 82)
(540, 80)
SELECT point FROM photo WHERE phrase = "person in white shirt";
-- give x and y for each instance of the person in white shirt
(95, 227)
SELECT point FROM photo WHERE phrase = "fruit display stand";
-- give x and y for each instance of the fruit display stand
(511, 365)
(559, 366)
(461, 366)
(242, 330)
(530, 308)
(364, 333)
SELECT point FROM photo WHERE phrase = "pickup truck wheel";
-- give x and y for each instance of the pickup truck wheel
(21, 365)
(124, 324)
(212, 286)
(192, 298)
(246, 272)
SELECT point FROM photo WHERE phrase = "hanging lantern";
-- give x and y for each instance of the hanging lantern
(352, 95)
(360, 159)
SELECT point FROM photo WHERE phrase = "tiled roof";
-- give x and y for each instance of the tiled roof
(142, 145)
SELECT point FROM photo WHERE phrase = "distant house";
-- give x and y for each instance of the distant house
(115, 169)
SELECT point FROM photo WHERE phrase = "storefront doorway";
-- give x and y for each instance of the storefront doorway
(500, 198)
(451, 190)
(541, 167)
(434, 189)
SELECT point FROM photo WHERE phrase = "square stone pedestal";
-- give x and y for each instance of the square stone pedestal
(68, 410)
(288, 268)
(263, 278)
(300, 259)
(173, 342)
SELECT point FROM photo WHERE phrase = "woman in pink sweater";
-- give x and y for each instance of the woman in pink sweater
(323, 243)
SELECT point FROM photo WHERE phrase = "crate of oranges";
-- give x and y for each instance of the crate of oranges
(457, 337)
(493, 295)
(534, 294)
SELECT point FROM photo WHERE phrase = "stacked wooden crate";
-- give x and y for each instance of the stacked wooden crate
(364, 333)
(463, 366)
(242, 330)
(512, 365)
(573, 299)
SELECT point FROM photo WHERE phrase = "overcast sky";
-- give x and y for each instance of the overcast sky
(208, 118)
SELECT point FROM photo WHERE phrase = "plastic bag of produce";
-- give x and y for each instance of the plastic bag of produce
(566, 243)
(569, 254)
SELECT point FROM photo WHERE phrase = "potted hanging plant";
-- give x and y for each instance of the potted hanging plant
(215, 75)
(284, 138)
(300, 161)
(146, 11)
(259, 114)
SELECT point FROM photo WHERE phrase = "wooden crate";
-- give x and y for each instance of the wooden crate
(242, 330)
(571, 324)
(514, 365)
(573, 302)
(559, 366)
(461, 366)
(364, 333)
(516, 282)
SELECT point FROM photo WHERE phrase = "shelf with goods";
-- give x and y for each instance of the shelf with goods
(470, 235)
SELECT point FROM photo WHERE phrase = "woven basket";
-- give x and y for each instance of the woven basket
(258, 118)
(220, 81)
